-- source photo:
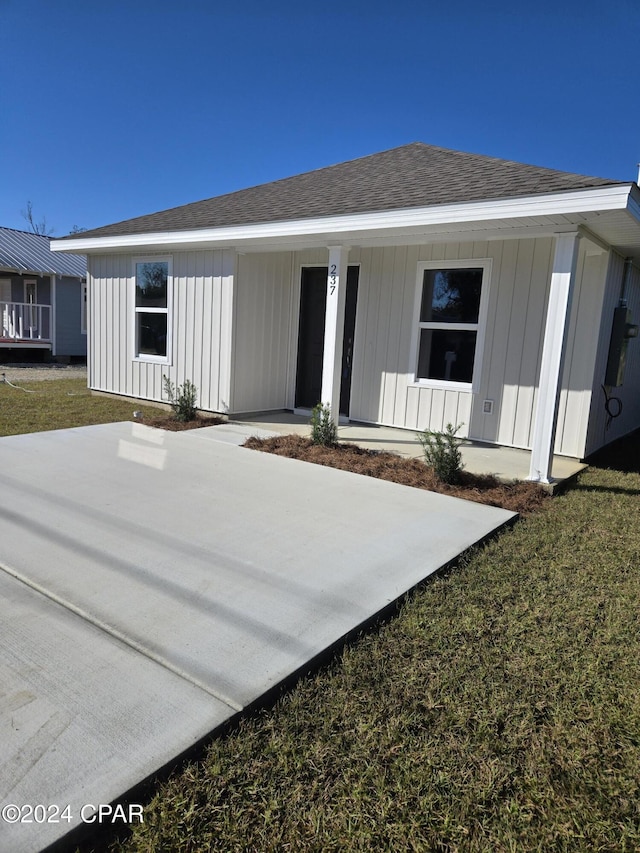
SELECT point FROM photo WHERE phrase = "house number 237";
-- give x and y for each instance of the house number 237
(333, 278)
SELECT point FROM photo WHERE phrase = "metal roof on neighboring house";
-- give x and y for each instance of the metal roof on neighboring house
(415, 175)
(23, 251)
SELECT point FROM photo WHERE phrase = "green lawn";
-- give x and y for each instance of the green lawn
(58, 404)
(500, 711)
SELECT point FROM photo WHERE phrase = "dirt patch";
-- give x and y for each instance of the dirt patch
(169, 422)
(19, 373)
(521, 497)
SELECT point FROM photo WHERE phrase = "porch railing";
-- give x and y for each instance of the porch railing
(25, 321)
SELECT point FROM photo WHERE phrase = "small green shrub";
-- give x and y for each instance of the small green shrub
(323, 427)
(181, 399)
(442, 453)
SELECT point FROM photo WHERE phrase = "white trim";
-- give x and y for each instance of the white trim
(633, 206)
(557, 323)
(142, 357)
(334, 327)
(548, 204)
(480, 327)
(442, 384)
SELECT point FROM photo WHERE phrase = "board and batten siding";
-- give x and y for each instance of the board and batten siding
(381, 391)
(262, 320)
(235, 335)
(382, 388)
(601, 430)
(576, 393)
(201, 315)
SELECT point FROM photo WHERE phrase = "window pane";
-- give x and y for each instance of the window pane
(151, 284)
(451, 296)
(152, 334)
(446, 355)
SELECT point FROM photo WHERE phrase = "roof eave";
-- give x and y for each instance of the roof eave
(41, 272)
(610, 198)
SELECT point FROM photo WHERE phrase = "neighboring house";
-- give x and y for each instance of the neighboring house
(411, 288)
(43, 297)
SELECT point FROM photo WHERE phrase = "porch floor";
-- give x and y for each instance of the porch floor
(505, 463)
(25, 343)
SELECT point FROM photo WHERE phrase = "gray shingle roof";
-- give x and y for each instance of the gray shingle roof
(22, 251)
(415, 175)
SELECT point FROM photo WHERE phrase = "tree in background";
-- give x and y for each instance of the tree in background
(41, 227)
(37, 227)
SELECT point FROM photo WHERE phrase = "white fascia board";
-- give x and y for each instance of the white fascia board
(634, 207)
(579, 201)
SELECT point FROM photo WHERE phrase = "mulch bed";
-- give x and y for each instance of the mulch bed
(521, 497)
(169, 422)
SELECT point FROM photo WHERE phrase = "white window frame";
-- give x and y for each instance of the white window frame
(479, 327)
(135, 310)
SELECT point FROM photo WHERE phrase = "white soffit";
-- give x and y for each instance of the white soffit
(550, 211)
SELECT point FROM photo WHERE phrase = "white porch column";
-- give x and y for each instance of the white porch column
(334, 328)
(553, 350)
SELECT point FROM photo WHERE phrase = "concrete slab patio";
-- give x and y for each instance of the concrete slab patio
(153, 585)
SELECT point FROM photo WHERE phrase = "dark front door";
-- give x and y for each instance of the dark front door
(313, 300)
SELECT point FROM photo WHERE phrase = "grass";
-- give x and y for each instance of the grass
(499, 711)
(66, 403)
(58, 404)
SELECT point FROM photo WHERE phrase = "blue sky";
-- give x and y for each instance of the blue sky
(112, 109)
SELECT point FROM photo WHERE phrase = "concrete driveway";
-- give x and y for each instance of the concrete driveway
(153, 585)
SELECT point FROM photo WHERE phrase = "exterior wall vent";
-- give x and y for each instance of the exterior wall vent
(487, 407)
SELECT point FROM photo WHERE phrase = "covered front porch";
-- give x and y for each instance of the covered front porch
(505, 463)
(25, 325)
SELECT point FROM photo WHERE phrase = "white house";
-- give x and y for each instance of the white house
(410, 288)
